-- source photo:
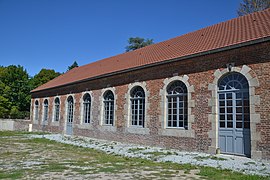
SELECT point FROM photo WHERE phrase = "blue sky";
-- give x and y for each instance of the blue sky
(52, 34)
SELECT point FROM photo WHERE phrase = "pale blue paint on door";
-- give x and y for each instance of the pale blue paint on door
(69, 127)
(234, 116)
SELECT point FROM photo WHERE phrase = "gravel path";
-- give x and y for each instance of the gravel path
(235, 163)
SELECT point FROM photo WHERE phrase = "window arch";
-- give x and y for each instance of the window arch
(86, 108)
(233, 81)
(177, 108)
(46, 109)
(56, 109)
(36, 110)
(70, 109)
(137, 99)
(108, 102)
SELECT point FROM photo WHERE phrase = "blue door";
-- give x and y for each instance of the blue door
(69, 129)
(234, 115)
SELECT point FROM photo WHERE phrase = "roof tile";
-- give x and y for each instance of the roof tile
(236, 31)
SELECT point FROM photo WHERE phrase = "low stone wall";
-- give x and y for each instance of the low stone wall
(14, 124)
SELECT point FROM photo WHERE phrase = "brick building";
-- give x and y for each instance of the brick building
(201, 91)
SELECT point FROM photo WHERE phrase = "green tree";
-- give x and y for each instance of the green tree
(14, 90)
(4, 93)
(42, 77)
(250, 6)
(75, 64)
(15, 86)
(137, 42)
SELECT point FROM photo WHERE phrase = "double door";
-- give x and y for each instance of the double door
(234, 122)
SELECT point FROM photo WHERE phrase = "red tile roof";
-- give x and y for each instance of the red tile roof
(236, 31)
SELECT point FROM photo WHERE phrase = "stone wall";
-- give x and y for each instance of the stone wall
(200, 75)
(14, 124)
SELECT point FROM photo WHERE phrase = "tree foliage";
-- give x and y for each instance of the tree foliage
(75, 64)
(250, 6)
(137, 42)
(42, 77)
(15, 87)
(14, 90)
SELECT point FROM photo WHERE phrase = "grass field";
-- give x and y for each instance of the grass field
(25, 158)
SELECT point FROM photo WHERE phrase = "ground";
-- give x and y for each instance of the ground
(23, 156)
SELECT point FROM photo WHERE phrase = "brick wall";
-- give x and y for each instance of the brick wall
(200, 74)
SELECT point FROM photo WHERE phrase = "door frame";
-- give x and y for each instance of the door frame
(253, 103)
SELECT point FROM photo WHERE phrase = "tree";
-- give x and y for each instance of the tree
(75, 64)
(250, 6)
(14, 90)
(137, 42)
(15, 86)
(42, 77)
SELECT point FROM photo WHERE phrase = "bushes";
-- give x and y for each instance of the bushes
(14, 113)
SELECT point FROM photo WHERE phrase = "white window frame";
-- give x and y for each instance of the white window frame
(172, 131)
(45, 114)
(83, 108)
(110, 104)
(36, 110)
(127, 110)
(136, 108)
(54, 110)
(184, 103)
(67, 109)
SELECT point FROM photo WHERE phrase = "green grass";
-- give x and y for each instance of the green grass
(211, 173)
(19, 133)
(70, 160)
(16, 174)
(134, 150)
(159, 153)
(249, 163)
(201, 158)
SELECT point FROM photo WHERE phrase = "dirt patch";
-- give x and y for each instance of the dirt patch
(24, 158)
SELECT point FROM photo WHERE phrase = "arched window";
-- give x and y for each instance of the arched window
(137, 98)
(177, 105)
(46, 109)
(70, 107)
(56, 109)
(36, 110)
(86, 108)
(108, 101)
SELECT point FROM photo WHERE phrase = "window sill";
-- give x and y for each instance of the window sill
(44, 123)
(179, 128)
(55, 123)
(177, 132)
(137, 130)
(107, 127)
(85, 126)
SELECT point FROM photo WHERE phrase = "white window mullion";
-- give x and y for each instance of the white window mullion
(109, 113)
(88, 112)
(177, 110)
(172, 112)
(138, 112)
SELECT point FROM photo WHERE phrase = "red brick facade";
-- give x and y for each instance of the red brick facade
(200, 72)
